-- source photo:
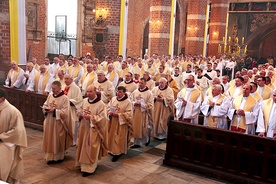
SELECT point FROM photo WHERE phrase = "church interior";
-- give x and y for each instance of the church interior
(234, 28)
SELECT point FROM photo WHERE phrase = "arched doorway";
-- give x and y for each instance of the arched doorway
(145, 39)
(262, 42)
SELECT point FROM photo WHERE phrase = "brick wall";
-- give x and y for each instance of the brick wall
(139, 12)
(4, 38)
(36, 47)
(217, 25)
(195, 26)
(113, 23)
(159, 29)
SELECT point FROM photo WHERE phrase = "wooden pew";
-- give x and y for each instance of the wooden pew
(29, 105)
(223, 154)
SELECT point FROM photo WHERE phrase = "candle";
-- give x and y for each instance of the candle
(237, 40)
(225, 48)
(229, 49)
(223, 39)
(239, 50)
(245, 49)
(242, 40)
(229, 39)
(219, 48)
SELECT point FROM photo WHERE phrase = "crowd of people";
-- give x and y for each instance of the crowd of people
(100, 106)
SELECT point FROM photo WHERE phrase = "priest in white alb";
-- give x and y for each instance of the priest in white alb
(215, 108)
(243, 112)
(188, 102)
(266, 119)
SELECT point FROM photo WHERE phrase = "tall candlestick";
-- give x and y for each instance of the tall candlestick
(245, 49)
(229, 39)
(223, 39)
(219, 48)
(242, 40)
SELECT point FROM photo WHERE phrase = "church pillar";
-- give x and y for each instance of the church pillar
(217, 26)
(110, 13)
(195, 26)
(159, 27)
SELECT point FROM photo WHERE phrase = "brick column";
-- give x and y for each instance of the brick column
(195, 26)
(159, 28)
(113, 25)
(219, 10)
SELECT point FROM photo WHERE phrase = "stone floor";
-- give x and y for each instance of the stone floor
(143, 165)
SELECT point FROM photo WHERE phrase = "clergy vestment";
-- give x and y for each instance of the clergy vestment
(179, 80)
(86, 80)
(129, 85)
(162, 110)
(76, 71)
(92, 142)
(215, 117)
(265, 92)
(120, 128)
(266, 118)
(62, 82)
(113, 78)
(15, 77)
(57, 134)
(158, 76)
(150, 84)
(246, 123)
(203, 83)
(27, 81)
(13, 141)
(122, 72)
(106, 88)
(190, 112)
(74, 94)
(173, 85)
(142, 115)
(234, 91)
(41, 83)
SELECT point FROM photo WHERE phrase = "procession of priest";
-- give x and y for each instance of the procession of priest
(110, 106)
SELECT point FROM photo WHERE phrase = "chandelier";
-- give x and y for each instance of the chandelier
(232, 46)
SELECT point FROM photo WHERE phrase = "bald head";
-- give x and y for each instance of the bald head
(43, 68)
(91, 92)
(14, 65)
(29, 66)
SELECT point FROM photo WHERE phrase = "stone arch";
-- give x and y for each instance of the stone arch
(261, 42)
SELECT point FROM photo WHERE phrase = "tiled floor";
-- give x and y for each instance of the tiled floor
(143, 165)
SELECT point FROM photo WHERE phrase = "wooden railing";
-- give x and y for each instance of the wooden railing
(28, 104)
(223, 154)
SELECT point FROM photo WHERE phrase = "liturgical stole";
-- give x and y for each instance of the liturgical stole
(15, 75)
(44, 82)
(194, 95)
(248, 107)
(212, 121)
(267, 109)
